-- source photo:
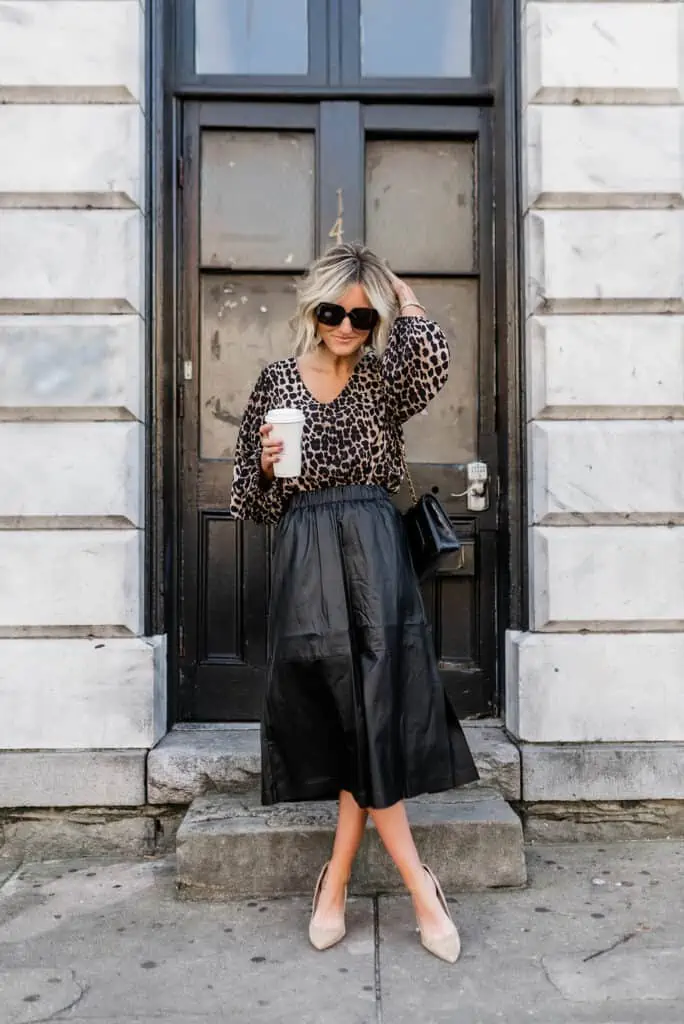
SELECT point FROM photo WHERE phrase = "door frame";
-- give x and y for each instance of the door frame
(164, 364)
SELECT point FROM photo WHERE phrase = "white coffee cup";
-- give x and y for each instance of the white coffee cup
(288, 425)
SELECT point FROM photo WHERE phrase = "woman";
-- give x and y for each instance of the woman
(354, 710)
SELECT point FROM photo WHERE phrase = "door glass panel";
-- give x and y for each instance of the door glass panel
(446, 433)
(251, 37)
(243, 327)
(420, 203)
(416, 38)
(257, 199)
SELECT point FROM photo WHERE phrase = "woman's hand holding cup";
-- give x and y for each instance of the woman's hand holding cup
(270, 451)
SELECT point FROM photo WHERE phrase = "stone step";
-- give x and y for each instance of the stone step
(231, 847)
(190, 761)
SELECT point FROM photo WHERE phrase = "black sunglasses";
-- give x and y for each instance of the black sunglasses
(331, 315)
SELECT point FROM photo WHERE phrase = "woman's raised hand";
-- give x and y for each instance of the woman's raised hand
(270, 451)
(406, 297)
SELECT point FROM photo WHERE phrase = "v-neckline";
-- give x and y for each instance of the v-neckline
(338, 395)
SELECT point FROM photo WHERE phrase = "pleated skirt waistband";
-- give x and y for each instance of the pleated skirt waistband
(336, 495)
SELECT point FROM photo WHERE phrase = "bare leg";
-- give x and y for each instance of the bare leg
(395, 832)
(351, 823)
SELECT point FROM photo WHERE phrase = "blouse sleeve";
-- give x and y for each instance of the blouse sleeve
(415, 365)
(253, 497)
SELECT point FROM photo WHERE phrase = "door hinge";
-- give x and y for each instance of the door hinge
(180, 403)
(181, 642)
(181, 172)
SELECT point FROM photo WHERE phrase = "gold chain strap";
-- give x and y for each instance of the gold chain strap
(407, 473)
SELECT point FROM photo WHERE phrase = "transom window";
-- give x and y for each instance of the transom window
(427, 45)
(415, 38)
(251, 37)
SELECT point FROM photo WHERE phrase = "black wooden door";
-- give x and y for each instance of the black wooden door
(262, 187)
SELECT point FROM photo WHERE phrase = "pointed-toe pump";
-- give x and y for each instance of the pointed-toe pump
(323, 938)
(446, 947)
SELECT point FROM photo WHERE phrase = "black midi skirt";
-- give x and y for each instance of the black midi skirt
(353, 700)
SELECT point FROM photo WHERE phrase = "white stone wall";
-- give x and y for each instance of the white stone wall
(76, 674)
(600, 674)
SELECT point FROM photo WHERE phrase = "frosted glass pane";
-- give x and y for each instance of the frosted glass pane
(251, 37)
(420, 202)
(447, 432)
(257, 199)
(244, 327)
(416, 38)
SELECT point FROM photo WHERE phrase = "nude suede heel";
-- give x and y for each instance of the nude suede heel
(324, 938)
(446, 947)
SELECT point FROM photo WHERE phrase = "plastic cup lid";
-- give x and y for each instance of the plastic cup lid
(285, 416)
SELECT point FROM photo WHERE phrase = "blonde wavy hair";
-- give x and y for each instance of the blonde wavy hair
(328, 278)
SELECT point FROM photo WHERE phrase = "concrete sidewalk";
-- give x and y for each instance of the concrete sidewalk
(597, 937)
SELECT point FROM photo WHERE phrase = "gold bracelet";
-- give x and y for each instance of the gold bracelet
(416, 304)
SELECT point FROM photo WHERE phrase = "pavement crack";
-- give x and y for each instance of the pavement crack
(376, 959)
(12, 875)
(609, 949)
(56, 1014)
(77, 1000)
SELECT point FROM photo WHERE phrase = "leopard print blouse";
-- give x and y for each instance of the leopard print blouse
(355, 439)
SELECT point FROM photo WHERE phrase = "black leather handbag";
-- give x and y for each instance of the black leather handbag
(431, 536)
